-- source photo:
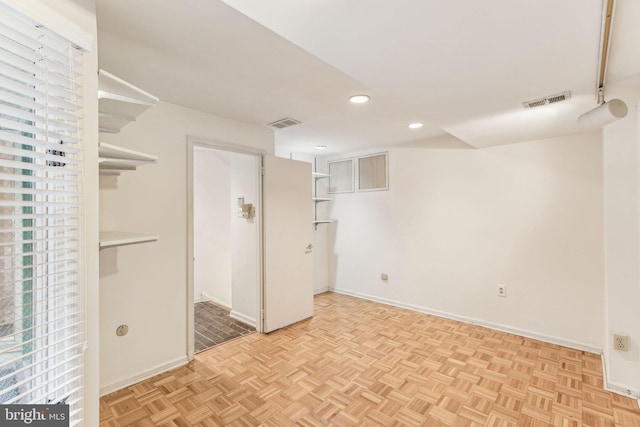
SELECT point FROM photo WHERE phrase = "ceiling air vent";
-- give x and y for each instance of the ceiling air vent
(284, 123)
(551, 99)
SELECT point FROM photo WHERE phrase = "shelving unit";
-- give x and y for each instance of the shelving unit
(115, 159)
(119, 103)
(110, 239)
(317, 176)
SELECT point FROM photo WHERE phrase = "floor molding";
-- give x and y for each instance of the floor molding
(243, 318)
(491, 325)
(206, 297)
(176, 363)
(321, 290)
(617, 388)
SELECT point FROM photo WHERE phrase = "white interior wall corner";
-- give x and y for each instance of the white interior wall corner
(145, 285)
(455, 223)
(622, 251)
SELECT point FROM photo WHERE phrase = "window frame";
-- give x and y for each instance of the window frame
(353, 166)
(386, 172)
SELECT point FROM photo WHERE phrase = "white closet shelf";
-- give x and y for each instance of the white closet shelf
(110, 239)
(113, 159)
(120, 102)
(112, 123)
(109, 151)
(316, 176)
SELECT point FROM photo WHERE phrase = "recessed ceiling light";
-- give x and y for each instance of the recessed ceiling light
(415, 125)
(359, 99)
(321, 147)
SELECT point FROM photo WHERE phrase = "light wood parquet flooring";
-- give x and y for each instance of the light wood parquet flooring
(359, 363)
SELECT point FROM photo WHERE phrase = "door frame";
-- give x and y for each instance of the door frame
(192, 142)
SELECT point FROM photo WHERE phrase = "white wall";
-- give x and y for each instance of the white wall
(457, 222)
(91, 212)
(245, 261)
(212, 226)
(145, 286)
(622, 215)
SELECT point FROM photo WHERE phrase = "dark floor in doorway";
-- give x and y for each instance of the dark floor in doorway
(213, 326)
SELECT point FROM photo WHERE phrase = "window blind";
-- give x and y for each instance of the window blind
(41, 299)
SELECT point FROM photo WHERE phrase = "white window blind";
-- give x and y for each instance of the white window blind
(41, 300)
(341, 176)
(372, 172)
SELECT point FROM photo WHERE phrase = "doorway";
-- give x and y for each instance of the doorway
(224, 234)
(271, 232)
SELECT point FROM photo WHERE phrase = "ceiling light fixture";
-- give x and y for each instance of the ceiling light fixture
(359, 99)
(607, 111)
(321, 147)
(415, 125)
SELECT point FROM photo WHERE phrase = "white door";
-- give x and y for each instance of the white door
(288, 261)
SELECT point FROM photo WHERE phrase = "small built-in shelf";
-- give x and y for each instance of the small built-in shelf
(319, 175)
(316, 176)
(110, 239)
(113, 159)
(120, 102)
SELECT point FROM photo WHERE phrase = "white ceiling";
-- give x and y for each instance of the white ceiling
(462, 67)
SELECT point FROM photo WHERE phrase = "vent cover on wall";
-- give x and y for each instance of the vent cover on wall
(372, 172)
(551, 99)
(284, 123)
(341, 176)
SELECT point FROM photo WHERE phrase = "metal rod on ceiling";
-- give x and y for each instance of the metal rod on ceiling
(604, 48)
(609, 111)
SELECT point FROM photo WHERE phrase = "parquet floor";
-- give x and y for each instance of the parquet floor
(359, 363)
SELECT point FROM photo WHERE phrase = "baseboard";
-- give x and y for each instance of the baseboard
(321, 290)
(617, 388)
(491, 325)
(243, 318)
(206, 297)
(118, 385)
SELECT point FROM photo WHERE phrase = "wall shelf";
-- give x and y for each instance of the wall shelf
(110, 239)
(316, 176)
(113, 159)
(120, 102)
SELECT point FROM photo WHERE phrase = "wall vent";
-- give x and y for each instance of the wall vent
(284, 123)
(551, 99)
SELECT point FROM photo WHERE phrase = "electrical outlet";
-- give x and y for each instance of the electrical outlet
(620, 342)
(502, 290)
